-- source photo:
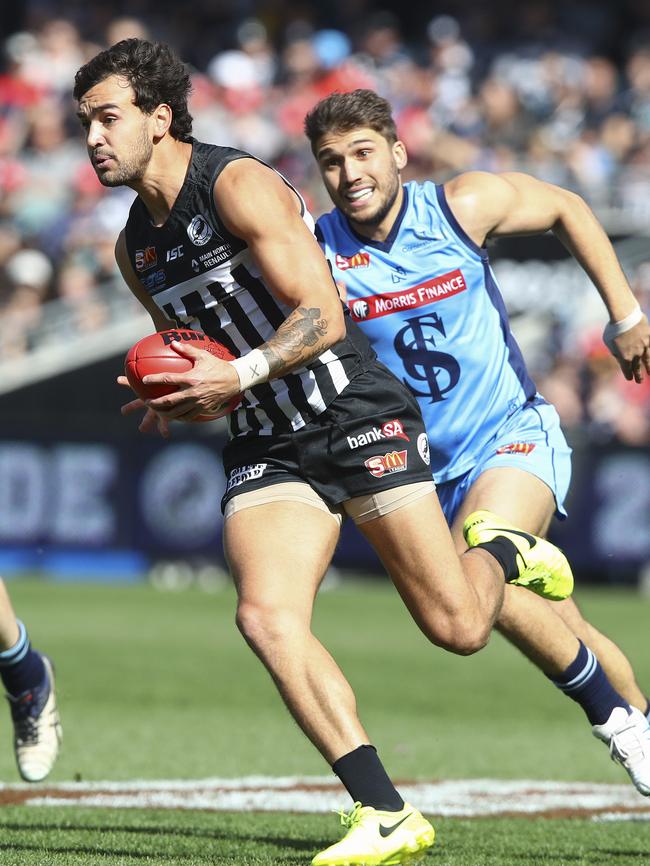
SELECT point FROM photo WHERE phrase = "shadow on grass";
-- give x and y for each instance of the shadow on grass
(217, 835)
(126, 857)
(553, 858)
(94, 851)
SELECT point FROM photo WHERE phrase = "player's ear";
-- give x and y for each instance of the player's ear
(400, 155)
(162, 120)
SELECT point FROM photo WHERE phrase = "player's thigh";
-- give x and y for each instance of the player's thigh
(514, 494)
(279, 551)
(416, 548)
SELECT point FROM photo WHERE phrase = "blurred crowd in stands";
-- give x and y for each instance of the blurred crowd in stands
(561, 90)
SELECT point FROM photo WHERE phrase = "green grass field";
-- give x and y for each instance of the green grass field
(161, 686)
(40, 837)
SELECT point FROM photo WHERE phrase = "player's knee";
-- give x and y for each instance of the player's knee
(469, 641)
(457, 634)
(255, 623)
(264, 627)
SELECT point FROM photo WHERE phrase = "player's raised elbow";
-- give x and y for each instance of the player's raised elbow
(332, 324)
(573, 199)
(569, 203)
(337, 332)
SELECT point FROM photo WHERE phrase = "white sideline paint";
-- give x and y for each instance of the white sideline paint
(462, 798)
(621, 816)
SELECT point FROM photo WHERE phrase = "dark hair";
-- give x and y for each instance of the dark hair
(154, 72)
(341, 112)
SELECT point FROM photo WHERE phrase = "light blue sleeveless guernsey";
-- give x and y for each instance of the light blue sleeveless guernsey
(428, 301)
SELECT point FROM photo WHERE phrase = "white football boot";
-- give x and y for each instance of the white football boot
(628, 738)
(37, 728)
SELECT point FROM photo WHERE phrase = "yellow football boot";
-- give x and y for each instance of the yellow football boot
(542, 566)
(377, 838)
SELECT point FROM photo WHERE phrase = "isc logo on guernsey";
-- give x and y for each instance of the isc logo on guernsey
(389, 430)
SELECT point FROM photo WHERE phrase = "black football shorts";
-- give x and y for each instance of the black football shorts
(369, 439)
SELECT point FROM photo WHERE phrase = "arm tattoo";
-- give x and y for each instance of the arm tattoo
(297, 341)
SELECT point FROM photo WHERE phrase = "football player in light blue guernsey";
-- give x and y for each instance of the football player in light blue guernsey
(27, 677)
(412, 265)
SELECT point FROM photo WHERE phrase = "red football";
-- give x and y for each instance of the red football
(153, 354)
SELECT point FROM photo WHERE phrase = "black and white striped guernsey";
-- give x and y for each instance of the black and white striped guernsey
(204, 278)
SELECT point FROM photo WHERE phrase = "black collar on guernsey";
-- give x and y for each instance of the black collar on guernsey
(392, 234)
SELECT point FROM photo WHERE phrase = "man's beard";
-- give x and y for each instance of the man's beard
(131, 169)
(376, 218)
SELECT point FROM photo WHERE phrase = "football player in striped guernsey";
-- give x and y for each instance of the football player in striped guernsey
(218, 241)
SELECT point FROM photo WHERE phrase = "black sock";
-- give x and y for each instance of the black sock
(505, 553)
(366, 780)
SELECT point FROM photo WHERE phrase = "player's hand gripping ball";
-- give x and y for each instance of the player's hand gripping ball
(153, 354)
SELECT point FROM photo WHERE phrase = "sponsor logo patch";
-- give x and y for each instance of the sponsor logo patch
(358, 260)
(389, 430)
(155, 281)
(423, 448)
(394, 461)
(417, 245)
(214, 257)
(145, 259)
(245, 473)
(428, 292)
(174, 253)
(360, 309)
(516, 448)
(199, 231)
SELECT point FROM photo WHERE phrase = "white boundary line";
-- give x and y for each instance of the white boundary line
(463, 798)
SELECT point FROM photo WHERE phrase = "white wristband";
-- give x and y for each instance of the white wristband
(614, 329)
(252, 369)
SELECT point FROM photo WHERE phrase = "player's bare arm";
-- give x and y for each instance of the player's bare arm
(211, 381)
(303, 329)
(256, 205)
(497, 205)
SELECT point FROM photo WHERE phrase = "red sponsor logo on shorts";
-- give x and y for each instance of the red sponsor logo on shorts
(394, 461)
(428, 292)
(389, 430)
(516, 448)
(358, 260)
(394, 430)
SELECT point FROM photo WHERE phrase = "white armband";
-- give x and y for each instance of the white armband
(252, 369)
(614, 329)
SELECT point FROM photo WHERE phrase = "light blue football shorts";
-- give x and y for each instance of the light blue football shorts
(532, 440)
